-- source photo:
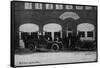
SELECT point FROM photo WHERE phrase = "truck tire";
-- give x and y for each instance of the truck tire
(55, 47)
(31, 46)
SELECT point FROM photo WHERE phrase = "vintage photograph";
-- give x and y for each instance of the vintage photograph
(52, 33)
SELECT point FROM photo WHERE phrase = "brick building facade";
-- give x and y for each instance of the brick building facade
(67, 15)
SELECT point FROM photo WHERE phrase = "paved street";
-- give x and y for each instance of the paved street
(54, 57)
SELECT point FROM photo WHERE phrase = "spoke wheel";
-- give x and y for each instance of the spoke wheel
(55, 47)
(31, 46)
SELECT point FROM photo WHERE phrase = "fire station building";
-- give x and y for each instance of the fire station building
(52, 17)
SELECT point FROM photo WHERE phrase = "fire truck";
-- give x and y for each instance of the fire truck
(31, 38)
(53, 36)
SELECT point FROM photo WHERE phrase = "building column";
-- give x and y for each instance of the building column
(21, 42)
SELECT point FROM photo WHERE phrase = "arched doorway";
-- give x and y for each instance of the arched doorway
(70, 20)
(27, 34)
(52, 30)
(86, 31)
(53, 34)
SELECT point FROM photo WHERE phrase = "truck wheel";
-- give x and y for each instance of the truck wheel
(55, 47)
(31, 46)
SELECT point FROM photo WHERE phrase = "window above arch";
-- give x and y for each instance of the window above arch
(67, 15)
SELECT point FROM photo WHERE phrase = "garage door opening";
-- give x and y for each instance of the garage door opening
(86, 31)
(53, 31)
(27, 32)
